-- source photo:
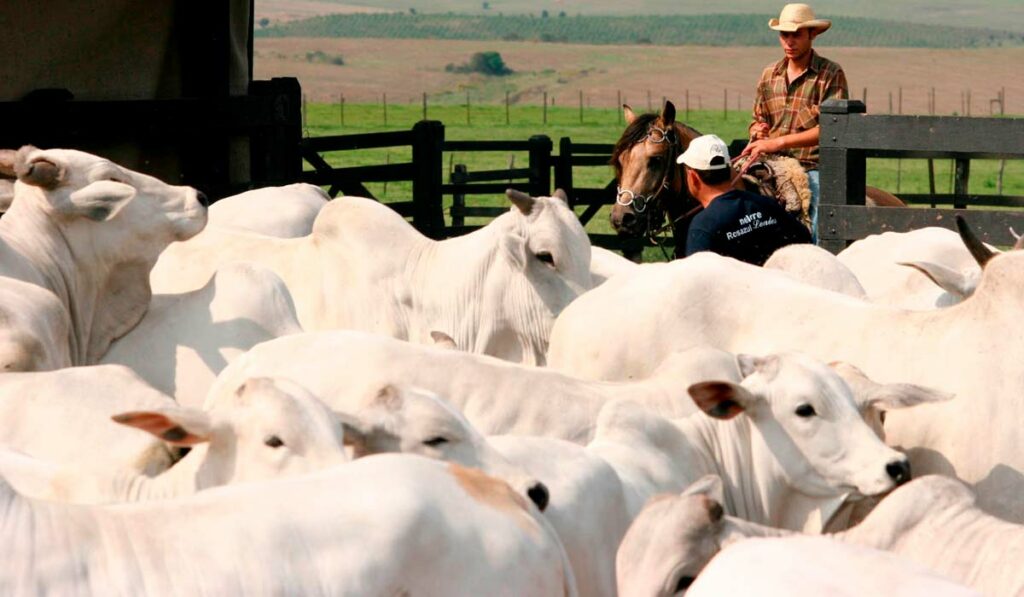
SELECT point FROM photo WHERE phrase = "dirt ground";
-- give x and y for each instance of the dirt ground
(405, 69)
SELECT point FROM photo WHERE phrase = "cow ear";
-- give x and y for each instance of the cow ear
(720, 399)
(99, 201)
(868, 393)
(709, 485)
(443, 340)
(354, 430)
(560, 194)
(945, 278)
(514, 247)
(8, 158)
(176, 426)
(749, 365)
(629, 114)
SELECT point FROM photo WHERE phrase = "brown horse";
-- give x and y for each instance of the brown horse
(650, 182)
(652, 185)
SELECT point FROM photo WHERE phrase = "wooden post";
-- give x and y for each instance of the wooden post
(507, 119)
(428, 212)
(468, 119)
(968, 102)
(843, 170)
(458, 216)
(618, 106)
(864, 96)
(687, 104)
(725, 104)
(581, 106)
(341, 106)
(545, 107)
(424, 105)
(540, 166)
(303, 112)
(563, 168)
(961, 182)
(650, 108)
(890, 102)
(384, 102)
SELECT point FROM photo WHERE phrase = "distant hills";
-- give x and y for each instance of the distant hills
(558, 26)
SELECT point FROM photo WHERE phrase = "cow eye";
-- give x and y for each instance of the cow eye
(546, 257)
(436, 441)
(805, 410)
(684, 583)
(273, 441)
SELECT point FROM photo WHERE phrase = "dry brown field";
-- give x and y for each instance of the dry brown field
(404, 69)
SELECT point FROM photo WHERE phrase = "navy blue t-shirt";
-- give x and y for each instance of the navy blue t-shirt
(744, 226)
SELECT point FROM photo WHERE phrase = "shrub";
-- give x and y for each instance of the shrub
(486, 63)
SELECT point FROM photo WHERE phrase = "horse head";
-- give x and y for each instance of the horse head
(649, 180)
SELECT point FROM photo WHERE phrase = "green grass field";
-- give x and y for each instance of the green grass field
(487, 122)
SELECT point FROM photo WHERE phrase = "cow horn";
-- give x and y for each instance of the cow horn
(560, 194)
(521, 200)
(39, 171)
(979, 251)
(1018, 238)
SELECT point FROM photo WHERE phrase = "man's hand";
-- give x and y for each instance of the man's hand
(755, 149)
(759, 131)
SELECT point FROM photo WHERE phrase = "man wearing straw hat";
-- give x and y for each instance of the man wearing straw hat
(789, 95)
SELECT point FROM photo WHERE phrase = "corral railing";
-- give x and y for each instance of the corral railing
(424, 171)
(849, 136)
(535, 179)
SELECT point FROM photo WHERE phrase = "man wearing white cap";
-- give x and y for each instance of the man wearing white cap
(733, 223)
(790, 92)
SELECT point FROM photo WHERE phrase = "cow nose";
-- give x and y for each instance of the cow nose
(203, 199)
(899, 471)
(539, 495)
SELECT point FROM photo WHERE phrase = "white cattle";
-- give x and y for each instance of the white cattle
(89, 231)
(495, 291)
(799, 450)
(498, 397)
(383, 525)
(881, 261)
(63, 417)
(813, 265)
(34, 328)
(414, 421)
(271, 428)
(587, 508)
(186, 339)
(604, 264)
(284, 212)
(815, 566)
(968, 349)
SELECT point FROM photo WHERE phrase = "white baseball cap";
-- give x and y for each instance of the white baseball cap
(706, 153)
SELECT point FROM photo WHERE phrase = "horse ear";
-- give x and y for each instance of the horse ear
(668, 114)
(629, 114)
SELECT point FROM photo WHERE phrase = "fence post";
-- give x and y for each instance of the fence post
(384, 102)
(563, 168)
(581, 106)
(428, 213)
(545, 107)
(618, 106)
(276, 152)
(540, 165)
(458, 177)
(424, 105)
(507, 119)
(843, 170)
(341, 107)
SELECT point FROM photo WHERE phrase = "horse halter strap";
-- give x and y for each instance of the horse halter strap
(640, 202)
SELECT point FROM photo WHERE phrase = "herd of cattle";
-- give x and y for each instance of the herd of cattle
(283, 394)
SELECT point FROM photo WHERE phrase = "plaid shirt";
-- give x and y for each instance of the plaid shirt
(794, 107)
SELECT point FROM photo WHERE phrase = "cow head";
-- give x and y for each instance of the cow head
(808, 426)
(269, 428)
(547, 256)
(400, 419)
(671, 541)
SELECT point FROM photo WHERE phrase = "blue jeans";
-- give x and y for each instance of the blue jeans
(813, 182)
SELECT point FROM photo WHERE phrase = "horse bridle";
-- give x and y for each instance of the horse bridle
(640, 202)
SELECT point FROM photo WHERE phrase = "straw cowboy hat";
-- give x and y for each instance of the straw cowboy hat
(798, 16)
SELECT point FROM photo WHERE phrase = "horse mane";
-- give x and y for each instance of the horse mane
(637, 130)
